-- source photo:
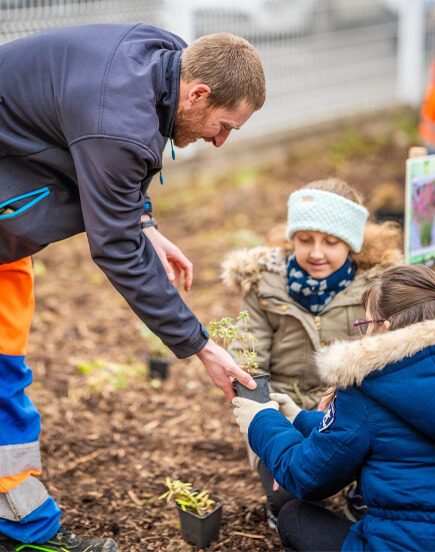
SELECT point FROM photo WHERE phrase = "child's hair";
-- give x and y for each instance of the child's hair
(335, 186)
(404, 295)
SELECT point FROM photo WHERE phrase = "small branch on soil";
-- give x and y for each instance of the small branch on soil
(249, 535)
(73, 465)
(134, 497)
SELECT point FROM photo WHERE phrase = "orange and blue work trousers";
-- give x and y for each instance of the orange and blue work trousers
(27, 512)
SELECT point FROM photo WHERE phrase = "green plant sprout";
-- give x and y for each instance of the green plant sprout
(100, 373)
(198, 502)
(225, 333)
(158, 348)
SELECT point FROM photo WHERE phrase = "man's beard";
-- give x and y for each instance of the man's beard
(189, 126)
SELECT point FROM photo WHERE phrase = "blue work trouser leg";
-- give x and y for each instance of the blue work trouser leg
(27, 513)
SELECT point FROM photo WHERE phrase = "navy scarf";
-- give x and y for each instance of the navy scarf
(312, 294)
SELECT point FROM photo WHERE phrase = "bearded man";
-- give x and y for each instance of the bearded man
(85, 113)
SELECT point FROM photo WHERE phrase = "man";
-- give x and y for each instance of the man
(85, 113)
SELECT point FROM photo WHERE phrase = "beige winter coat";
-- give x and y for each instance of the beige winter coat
(287, 334)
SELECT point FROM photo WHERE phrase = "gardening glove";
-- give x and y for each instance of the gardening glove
(287, 405)
(245, 410)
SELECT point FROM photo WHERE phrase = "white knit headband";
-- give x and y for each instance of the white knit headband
(327, 212)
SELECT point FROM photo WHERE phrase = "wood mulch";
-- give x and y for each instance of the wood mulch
(108, 444)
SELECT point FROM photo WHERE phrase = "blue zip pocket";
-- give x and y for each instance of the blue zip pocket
(37, 196)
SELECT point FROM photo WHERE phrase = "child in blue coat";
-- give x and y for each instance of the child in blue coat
(378, 428)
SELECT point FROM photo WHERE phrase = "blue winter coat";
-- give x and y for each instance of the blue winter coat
(85, 113)
(379, 429)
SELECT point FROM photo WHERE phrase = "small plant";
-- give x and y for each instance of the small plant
(200, 514)
(101, 374)
(158, 348)
(198, 502)
(226, 333)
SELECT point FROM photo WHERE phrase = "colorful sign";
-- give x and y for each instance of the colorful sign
(420, 211)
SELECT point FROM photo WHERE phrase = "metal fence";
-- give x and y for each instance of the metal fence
(323, 58)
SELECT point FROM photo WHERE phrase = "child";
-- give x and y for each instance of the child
(302, 297)
(378, 428)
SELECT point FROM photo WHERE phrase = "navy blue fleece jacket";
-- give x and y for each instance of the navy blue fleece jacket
(85, 113)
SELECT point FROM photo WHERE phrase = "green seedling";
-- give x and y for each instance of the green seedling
(102, 373)
(198, 502)
(226, 333)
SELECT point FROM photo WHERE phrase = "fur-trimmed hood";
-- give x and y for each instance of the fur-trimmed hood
(381, 248)
(396, 368)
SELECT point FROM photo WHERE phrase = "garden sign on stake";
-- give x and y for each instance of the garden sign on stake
(420, 210)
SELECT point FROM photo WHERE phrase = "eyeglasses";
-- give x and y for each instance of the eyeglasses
(361, 326)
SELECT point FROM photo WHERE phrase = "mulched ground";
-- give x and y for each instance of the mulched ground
(108, 444)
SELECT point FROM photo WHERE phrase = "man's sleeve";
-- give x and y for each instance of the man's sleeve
(321, 464)
(109, 173)
(147, 205)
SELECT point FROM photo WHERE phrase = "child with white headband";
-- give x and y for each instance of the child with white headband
(304, 295)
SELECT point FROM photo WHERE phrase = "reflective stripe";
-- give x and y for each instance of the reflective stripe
(16, 306)
(19, 459)
(22, 500)
(9, 483)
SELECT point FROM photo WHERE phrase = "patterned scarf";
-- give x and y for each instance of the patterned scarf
(314, 295)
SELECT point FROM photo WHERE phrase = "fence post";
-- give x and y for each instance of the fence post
(411, 52)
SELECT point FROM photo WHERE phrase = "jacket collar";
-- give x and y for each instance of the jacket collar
(168, 94)
(347, 363)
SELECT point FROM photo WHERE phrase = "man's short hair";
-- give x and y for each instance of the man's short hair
(229, 65)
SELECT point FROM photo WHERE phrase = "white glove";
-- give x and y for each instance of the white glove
(287, 405)
(246, 410)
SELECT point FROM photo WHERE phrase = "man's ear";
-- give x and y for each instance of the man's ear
(199, 92)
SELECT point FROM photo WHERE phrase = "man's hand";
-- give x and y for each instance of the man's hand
(287, 405)
(245, 411)
(221, 368)
(172, 258)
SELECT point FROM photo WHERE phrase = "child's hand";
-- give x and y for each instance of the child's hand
(246, 410)
(287, 405)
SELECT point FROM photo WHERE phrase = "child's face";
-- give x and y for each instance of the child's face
(318, 253)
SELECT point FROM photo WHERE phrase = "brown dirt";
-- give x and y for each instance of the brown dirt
(107, 446)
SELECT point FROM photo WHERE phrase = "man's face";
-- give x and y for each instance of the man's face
(212, 124)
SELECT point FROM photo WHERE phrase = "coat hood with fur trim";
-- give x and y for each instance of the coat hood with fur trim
(381, 249)
(395, 368)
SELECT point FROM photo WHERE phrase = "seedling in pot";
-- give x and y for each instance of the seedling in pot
(159, 359)
(226, 333)
(200, 512)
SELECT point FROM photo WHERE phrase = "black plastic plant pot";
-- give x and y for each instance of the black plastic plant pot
(201, 530)
(260, 394)
(159, 367)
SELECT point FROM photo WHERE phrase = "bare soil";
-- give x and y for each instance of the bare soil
(108, 442)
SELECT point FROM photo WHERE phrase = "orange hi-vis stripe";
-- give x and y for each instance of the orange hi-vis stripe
(426, 128)
(9, 483)
(16, 306)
